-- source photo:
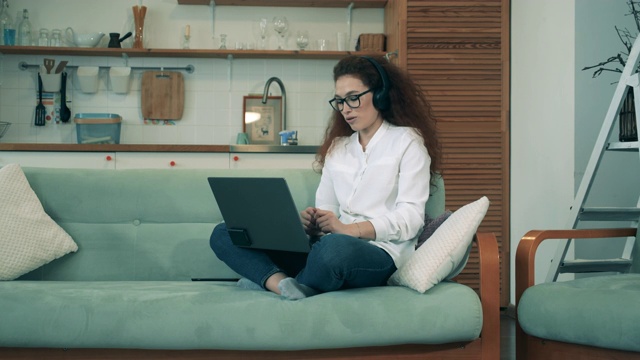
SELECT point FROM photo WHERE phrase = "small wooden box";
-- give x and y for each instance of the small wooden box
(371, 42)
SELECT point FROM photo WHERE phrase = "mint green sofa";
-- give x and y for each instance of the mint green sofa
(143, 237)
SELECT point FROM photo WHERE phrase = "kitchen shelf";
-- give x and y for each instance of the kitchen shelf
(113, 147)
(262, 149)
(182, 53)
(292, 3)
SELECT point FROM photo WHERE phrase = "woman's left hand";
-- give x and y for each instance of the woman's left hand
(328, 222)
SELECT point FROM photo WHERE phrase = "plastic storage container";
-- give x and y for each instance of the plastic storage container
(98, 128)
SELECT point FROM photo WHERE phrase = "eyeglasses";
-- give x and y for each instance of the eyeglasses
(352, 100)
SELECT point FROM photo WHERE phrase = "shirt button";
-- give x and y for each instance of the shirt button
(136, 222)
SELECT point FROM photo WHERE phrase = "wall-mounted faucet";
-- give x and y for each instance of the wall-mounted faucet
(265, 94)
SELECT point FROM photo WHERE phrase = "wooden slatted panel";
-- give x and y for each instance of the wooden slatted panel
(457, 51)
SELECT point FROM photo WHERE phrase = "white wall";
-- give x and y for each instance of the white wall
(542, 120)
(617, 181)
(213, 104)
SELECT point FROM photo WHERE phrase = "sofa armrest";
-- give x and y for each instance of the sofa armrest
(489, 292)
(526, 252)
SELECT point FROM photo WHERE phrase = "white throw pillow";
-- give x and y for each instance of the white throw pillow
(442, 254)
(29, 238)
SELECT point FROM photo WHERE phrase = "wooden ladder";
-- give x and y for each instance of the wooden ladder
(579, 213)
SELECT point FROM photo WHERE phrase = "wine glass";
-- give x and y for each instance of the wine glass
(260, 31)
(302, 39)
(281, 25)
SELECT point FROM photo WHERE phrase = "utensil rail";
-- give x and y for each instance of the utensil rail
(189, 68)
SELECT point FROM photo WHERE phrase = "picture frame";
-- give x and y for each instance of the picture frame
(262, 122)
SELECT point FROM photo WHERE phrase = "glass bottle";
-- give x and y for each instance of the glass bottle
(6, 22)
(43, 40)
(56, 40)
(24, 31)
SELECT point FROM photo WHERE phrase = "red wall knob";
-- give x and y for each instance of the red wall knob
(172, 163)
(236, 158)
(109, 158)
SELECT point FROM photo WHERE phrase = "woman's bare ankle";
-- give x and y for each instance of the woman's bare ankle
(272, 282)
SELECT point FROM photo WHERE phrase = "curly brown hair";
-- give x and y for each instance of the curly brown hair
(409, 107)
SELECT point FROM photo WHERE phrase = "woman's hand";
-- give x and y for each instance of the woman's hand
(308, 217)
(328, 222)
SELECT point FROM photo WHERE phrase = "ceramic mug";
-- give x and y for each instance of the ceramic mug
(242, 139)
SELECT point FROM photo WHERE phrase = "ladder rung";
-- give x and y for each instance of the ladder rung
(602, 265)
(623, 146)
(610, 214)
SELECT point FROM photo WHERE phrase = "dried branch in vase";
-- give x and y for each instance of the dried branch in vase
(627, 38)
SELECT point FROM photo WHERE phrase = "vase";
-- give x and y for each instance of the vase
(139, 13)
(627, 116)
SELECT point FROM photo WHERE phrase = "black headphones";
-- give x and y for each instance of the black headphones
(380, 96)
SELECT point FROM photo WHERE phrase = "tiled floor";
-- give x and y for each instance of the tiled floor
(507, 337)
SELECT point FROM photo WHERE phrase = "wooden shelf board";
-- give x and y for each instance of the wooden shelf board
(292, 3)
(183, 53)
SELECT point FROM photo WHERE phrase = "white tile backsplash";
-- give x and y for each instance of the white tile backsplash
(213, 109)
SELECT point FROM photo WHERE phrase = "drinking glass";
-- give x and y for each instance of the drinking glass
(302, 40)
(260, 32)
(223, 41)
(280, 26)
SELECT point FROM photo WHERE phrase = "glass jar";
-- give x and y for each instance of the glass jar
(55, 38)
(43, 40)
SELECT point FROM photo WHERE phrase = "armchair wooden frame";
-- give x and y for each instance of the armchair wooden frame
(487, 346)
(531, 347)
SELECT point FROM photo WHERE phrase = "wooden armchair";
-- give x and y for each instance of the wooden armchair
(532, 347)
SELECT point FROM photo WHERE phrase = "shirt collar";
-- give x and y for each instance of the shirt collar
(376, 137)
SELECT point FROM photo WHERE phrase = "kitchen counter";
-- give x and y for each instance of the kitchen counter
(296, 149)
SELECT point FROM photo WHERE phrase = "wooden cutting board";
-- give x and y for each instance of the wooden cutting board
(162, 95)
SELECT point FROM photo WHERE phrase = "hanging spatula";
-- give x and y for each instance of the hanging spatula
(40, 109)
(65, 112)
(49, 64)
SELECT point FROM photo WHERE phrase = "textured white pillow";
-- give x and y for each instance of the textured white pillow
(439, 257)
(29, 238)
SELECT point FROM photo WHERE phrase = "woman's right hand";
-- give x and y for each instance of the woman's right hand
(308, 217)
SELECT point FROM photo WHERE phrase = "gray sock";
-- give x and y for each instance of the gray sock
(293, 290)
(248, 284)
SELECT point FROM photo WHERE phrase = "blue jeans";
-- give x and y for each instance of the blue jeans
(334, 262)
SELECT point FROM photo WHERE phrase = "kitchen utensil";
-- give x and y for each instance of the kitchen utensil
(48, 64)
(65, 112)
(115, 39)
(60, 66)
(40, 109)
(87, 40)
(162, 95)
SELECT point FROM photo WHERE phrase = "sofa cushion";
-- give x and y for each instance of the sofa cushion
(29, 238)
(445, 253)
(220, 315)
(602, 311)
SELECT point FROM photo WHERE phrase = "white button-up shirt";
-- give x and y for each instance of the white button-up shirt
(387, 184)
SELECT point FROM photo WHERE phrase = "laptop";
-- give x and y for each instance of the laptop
(260, 213)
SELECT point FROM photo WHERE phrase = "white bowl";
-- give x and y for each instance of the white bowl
(86, 40)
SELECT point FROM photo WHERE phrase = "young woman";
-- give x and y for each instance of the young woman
(379, 152)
